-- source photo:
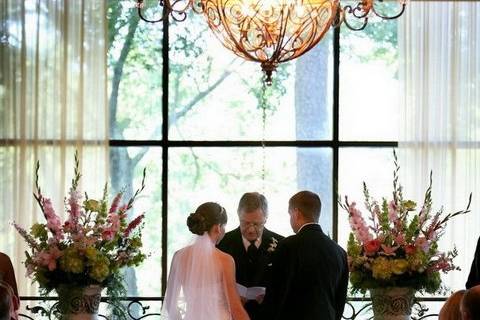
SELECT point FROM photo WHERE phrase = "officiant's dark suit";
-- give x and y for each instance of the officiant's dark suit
(474, 276)
(309, 273)
(251, 246)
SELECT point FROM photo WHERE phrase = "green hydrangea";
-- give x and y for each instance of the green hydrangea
(39, 231)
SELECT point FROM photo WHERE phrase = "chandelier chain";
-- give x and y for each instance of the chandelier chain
(263, 106)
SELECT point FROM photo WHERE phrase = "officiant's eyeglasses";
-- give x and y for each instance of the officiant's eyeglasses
(249, 224)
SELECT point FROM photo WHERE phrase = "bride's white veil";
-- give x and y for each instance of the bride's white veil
(194, 287)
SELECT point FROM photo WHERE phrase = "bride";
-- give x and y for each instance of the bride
(201, 284)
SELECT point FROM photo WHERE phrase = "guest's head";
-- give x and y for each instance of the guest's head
(304, 207)
(6, 295)
(6, 270)
(252, 213)
(209, 217)
(451, 308)
(470, 305)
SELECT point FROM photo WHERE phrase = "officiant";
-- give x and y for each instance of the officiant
(251, 246)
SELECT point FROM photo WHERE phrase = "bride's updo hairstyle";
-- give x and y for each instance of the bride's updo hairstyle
(205, 217)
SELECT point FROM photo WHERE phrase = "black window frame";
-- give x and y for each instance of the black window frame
(335, 144)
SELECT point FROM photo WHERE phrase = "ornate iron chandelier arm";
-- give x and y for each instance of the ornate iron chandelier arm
(197, 6)
(308, 42)
(362, 26)
(231, 36)
(358, 12)
(180, 14)
(283, 27)
(403, 5)
(165, 11)
(348, 9)
(271, 63)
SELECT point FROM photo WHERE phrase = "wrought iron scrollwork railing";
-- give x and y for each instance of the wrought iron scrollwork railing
(137, 308)
(424, 308)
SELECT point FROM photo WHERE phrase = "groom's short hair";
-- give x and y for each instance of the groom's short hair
(252, 201)
(308, 203)
(471, 303)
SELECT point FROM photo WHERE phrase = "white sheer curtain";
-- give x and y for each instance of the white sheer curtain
(439, 45)
(53, 101)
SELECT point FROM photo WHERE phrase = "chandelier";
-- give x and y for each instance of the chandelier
(269, 31)
(273, 31)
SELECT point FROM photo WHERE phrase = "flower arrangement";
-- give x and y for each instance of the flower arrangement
(398, 247)
(273, 245)
(90, 247)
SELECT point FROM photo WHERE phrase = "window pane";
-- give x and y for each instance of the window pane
(214, 95)
(369, 82)
(374, 166)
(126, 168)
(135, 73)
(198, 175)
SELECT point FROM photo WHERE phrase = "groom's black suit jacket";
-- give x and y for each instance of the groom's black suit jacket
(474, 276)
(309, 278)
(247, 273)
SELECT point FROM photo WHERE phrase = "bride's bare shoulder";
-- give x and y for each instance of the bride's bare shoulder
(183, 251)
(225, 258)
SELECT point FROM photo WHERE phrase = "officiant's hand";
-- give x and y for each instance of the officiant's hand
(259, 298)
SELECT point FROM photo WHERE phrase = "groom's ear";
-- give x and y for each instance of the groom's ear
(295, 212)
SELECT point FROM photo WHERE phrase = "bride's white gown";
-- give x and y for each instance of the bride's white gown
(195, 288)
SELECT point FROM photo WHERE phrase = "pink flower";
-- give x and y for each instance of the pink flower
(358, 224)
(74, 210)
(108, 234)
(371, 247)
(53, 221)
(28, 238)
(422, 243)
(389, 251)
(432, 235)
(400, 239)
(49, 258)
(392, 212)
(444, 264)
(132, 225)
(410, 249)
(114, 220)
(115, 202)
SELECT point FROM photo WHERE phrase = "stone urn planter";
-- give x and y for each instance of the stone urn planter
(79, 303)
(392, 303)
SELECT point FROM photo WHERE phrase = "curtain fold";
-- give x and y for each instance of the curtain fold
(439, 44)
(53, 101)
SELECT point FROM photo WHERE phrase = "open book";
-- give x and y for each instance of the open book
(250, 293)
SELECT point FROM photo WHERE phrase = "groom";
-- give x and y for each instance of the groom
(309, 273)
(251, 246)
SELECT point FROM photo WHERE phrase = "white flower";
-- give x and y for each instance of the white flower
(273, 245)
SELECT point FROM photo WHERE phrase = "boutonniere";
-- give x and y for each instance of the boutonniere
(273, 245)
